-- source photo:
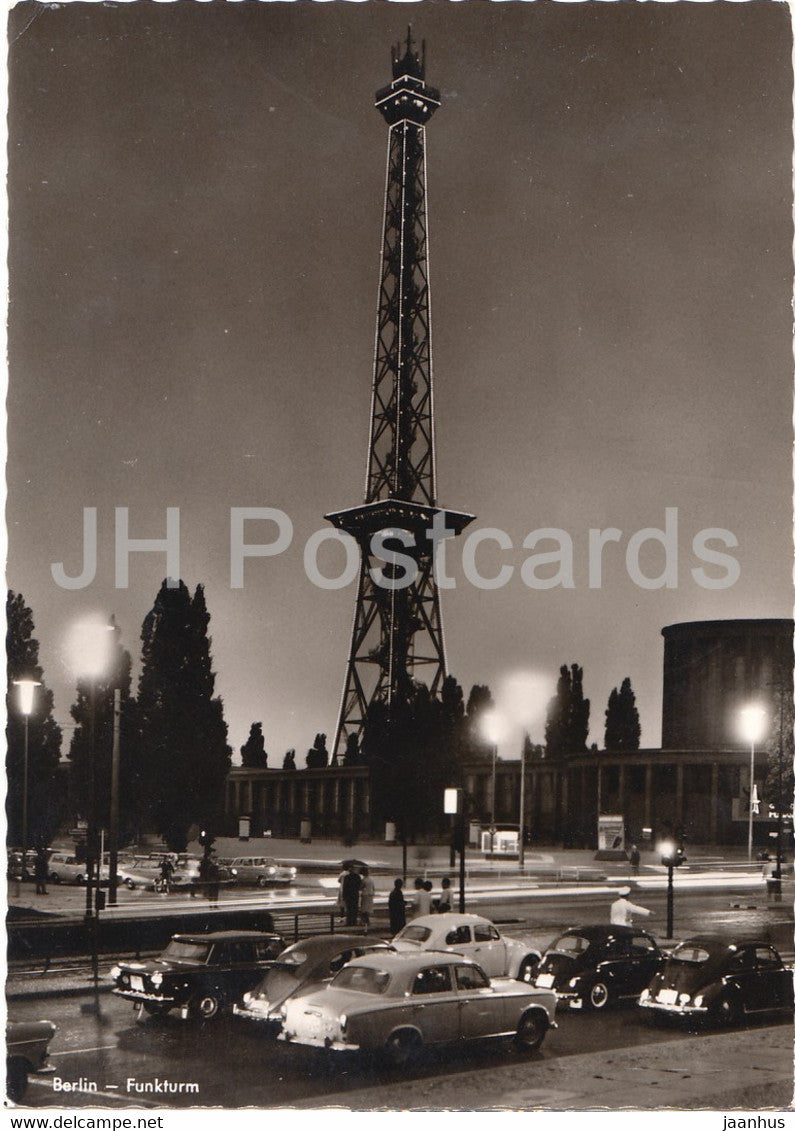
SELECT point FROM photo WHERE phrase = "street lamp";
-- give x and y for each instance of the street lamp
(455, 806)
(671, 857)
(492, 728)
(90, 649)
(26, 688)
(752, 720)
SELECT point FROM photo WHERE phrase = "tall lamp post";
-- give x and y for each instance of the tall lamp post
(26, 689)
(493, 729)
(455, 807)
(90, 647)
(752, 728)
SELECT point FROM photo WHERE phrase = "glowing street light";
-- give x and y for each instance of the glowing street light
(26, 689)
(492, 727)
(524, 696)
(752, 726)
(90, 650)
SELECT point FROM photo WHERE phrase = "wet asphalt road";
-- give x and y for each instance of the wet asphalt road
(235, 1064)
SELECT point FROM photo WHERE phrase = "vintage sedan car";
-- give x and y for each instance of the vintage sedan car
(15, 871)
(260, 870)
(395, 1003)
(709, 977)
(473, 936)
(27, 1050)
(303, 968)
(201, 976)
(593, 967)
(65, 868)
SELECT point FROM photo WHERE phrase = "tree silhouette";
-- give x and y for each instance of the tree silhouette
(568, 712)
(253, 750)
(45, 795)
(182, 733)
(622, 722)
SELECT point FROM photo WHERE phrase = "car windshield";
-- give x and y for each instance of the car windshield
(293, 956)
(689, 953)
(363, 979)
(413, 934)
(571, 944)
(181, 950)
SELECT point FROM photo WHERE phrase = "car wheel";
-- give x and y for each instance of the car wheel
(206, 1006)
(130, 884)
(531, 1031)
(54, 878)
(527, 967)
(16, 1079)
(727, 1009)
(599, 996)
(79, 879)
(402, 1047)
(262, 881)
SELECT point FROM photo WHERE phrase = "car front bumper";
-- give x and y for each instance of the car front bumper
(337, 1045)
(142, 996)
(672, 1007)
(261, 1015)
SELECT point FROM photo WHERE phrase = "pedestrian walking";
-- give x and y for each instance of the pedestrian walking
(351, 893)
(634, 860)
(445, 901)
(40, 872)
(367, 899)
(622, 911)
(422, 898)
(397, 907)
(771, 877)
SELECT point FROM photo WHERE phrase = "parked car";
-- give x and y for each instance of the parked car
(592, 967)
(15, 870)
(201, 976)
(709, 977)
(303, 968)
(65, 868)
(27, 1050)
(473, 936)
(394, 1003)
(260, 870)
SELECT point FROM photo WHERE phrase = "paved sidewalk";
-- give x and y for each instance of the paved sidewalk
(747, 1070)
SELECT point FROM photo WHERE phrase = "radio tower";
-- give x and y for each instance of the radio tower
(397, 631)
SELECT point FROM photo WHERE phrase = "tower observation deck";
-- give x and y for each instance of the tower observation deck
(397, 632)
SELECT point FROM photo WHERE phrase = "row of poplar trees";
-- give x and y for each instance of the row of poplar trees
(174, 754)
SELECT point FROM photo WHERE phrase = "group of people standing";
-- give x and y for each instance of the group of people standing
(357, 896)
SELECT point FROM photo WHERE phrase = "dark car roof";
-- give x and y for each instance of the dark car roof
(717, 945)
(330, 944)
(219, 936)
(597, 932)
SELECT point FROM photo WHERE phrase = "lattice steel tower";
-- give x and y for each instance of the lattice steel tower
(397, 631)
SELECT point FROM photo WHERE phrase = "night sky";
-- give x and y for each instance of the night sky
(196, 196)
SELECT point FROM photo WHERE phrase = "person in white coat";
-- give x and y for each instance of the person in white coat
(621, 910)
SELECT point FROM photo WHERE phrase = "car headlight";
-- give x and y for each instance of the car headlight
(293, 872)
(644, 995)
(247, 998)
(684, 999)
(233, 871)
(157, 978)
(271, 871)
(114, 972)
(699, 1001)
(343, 1022)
